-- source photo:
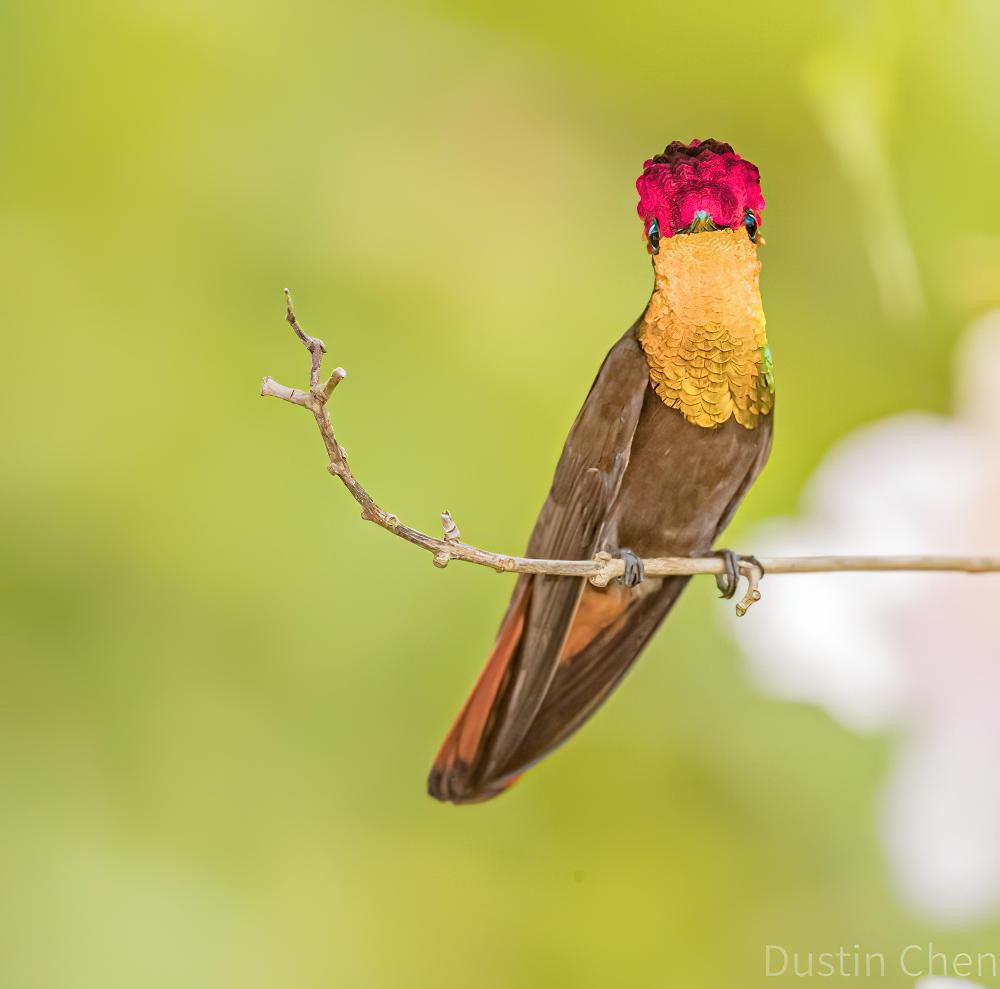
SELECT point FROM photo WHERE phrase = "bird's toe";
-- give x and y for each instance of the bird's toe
(635, 572)
(729, 580)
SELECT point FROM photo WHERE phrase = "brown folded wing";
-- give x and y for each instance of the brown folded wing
(507, 697)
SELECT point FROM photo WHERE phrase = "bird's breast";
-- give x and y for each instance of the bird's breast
(680, 481)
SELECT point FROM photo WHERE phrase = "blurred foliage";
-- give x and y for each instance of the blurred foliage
(221, 691)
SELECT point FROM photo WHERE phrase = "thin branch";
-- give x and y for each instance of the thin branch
(314, 345)
(603, 568)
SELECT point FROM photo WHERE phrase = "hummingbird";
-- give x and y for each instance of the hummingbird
(675, 429)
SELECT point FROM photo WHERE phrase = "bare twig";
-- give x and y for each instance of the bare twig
(599, 571)
(452, 534)
(315, 346)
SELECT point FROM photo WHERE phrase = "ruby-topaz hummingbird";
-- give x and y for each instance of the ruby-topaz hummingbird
(675, 429)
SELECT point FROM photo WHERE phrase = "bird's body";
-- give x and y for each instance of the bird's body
(676, 427)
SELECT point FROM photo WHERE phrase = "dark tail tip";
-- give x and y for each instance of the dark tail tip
(453, 785)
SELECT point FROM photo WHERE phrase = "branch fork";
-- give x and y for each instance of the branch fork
(603, 568)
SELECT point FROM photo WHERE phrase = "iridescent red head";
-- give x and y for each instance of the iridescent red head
(704, 181)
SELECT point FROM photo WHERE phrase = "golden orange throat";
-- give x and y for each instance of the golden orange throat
(703, 331)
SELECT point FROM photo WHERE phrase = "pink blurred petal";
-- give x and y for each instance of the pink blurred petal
(918, 653)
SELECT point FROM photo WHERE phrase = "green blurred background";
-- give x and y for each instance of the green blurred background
(220, 690)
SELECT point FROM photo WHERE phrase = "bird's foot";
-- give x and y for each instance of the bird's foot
(635, 572)
(728, 582)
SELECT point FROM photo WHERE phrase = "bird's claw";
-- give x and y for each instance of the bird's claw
(635, 572)
(728, 581)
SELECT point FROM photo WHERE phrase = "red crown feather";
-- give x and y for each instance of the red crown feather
(701, 176)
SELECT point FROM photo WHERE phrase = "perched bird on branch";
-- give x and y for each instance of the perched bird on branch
(675, 429)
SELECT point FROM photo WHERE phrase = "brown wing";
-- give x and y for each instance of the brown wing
(510, 691)
(611, 641)
(587, 679)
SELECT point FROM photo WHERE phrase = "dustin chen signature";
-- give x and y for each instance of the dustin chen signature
(913, 960)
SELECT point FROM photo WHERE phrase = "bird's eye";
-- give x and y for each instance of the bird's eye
(654, 236)
(750, 222)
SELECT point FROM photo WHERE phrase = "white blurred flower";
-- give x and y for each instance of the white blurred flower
(933, 982)
(918, 653)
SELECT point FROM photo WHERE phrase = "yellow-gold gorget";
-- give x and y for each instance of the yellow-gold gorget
(703, 331)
